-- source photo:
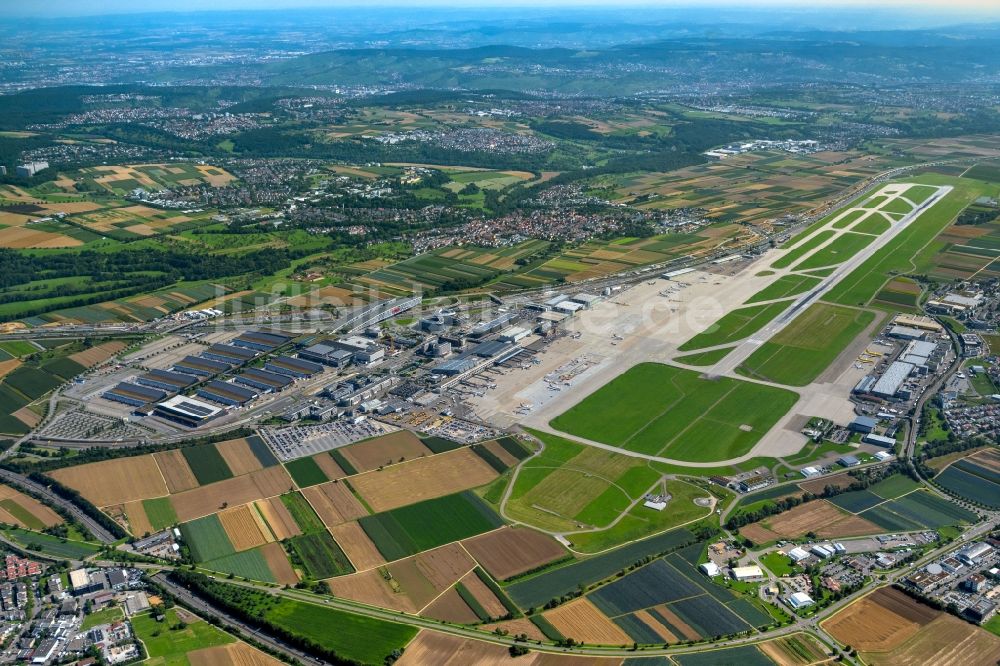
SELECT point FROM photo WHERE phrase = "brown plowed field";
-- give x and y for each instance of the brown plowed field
(794, 650)
(244, 527)
(582, 621)
(687, 630)
(511, 551)
(426, 575)
(98, 354)
(237, 490)
(818, 516)
(329, 466)
(114, 481)
(423, 479)
(816, 486)
(176, 471)
(138, 522)
(496, 449)
(278, 563)
(334, 503)
(450, 607)
(386, 450)
(946, 641)
(517, 627)
(278, 518)
(234, 654)
(27, 417)
(880, 621)
(484, 596)
(239, 457)
(357, 546)
(370, 587)
(663, 632)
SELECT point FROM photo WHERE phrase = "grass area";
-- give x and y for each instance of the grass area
(104, 616)
(320, 555)
(642, 521)
(802, 249)
(207, 464)
(796, 356)
(46, 543)
(778, 564)
(840, 250)
(993, 626)
(570, 484)
(910, 251)
(735, 325)
(168, 641)
(364, 639)
(306, 472)
(704, 358)
(894, 486)
(206, 538)
(663, 410)
(783, 287)
(160, 512)
(302, 513)
(247, 564)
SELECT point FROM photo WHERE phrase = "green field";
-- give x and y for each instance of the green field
(18, 347)
(364, 639)
(306, 472)
(783, 287)
(642, 521)
(735, 325)
(104, 616)
(418, 527)
(796, 356)
(247, 564)
(207, 464)
(704, 358)
(845, 246)
(570, 484)
(801, 249)
(160, 512)
(302, 513)
(320, 555)
(661, 410)
(206, 538)
(168, 642)
(778, 564)
(46, 543)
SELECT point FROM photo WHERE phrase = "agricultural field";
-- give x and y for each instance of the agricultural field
(919, 509)
(538, 589)
(735, 325)
(796, 356)
(428, 524)
(169, 641)
(513, 551)
(888, 627)
(25, 511)
(819, 516)
(689, 418)
(975, 478)
(52, 545)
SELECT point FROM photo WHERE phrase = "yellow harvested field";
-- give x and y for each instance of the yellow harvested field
(386, 450)
(138, 521)
(98, 354)
(278, 563)
(946, 641)
(239, 457)
(176, 471)
(329, 466)
(233, 654)
(334, 503)
(357, 546)
(278, 518)
(370, 588)
(8, 366)
(208, 499)
(582, 621)
(27, 417)
(424, 478)
(244, 527)
(42, 513)
(484, 595)
(114, 481)
(26, 237)
(880, 621)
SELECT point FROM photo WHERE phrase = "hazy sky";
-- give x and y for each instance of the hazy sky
(961, 8)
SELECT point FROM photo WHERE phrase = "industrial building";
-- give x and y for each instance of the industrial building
(568, 307)
(29, 169)
(922, 322)
(492, 326)
(892, 380)
(879, 440)
(848, 461)
(375, 313)
(800, 600)
(226, 393)
(133, 394)
(263, 380)
(905, 333)
(202, 367)
(327, 354)
(229, 354)
(863, 424)
(710, 569)
(797, 554)
(171, 382)
(455, 366)
(513, 334)
(747, 573)
(586, 300)
(293, 367)
(556, 300)
(260, 341)
(187, 411)
(865, 385)
(974, 552)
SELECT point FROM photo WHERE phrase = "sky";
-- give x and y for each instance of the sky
(55, 8)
